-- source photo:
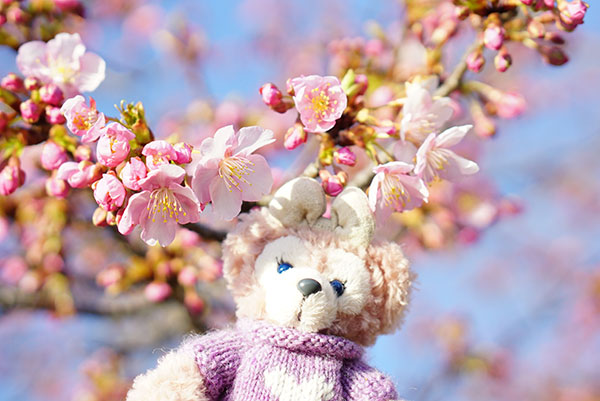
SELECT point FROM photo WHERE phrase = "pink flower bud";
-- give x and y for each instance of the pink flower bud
(193, 303)
(109, 192)
(345, 156)
(572, 13)
(113, 145)
(188, 276)
(294, 137)
(374, 47)
(111, 275)
(363, 81)
(475, 61)
(157, 291)
(67, 5)
(83, 152)
(30, 111)
(289, 88)
(164, 269)
(99, 217)
(183, 153)
(53, 155)
(52, 263)
(51, 94)
(510, 105)
(493, 37)
(527, 2)
(271, 95)
(54, 115)
(32, 83)
(503, 60)
(11, 177)
(12, 82)
(333, 185)
(2, 19)
(188, 238)
(549, 3)
(468, 235)
(30, 282)
(56, 187)
(111, 218)
(134, 171)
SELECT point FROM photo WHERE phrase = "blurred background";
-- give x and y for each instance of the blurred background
(509, 312)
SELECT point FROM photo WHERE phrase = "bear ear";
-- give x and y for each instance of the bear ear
(391, 283)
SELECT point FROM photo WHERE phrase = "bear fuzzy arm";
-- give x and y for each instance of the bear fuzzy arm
(360, 382)
(176, 378)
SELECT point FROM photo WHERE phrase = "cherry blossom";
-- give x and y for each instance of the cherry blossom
(393, 189)
(162, 205)
(133, 172)
(113, 145)
(434, 159)
(158, 153)
(79, 175)
(228, 173)
(422, 113)
(64, 62)
(83, 120)
(109, 192)
(319, 100)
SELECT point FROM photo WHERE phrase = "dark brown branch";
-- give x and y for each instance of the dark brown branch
(206, 232)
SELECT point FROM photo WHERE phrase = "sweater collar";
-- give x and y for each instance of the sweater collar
(299, 341)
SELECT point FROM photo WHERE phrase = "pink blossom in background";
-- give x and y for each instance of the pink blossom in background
(12, 82)
(30, 111)
(294, 137)
(393, 189)
(133, 172)
(434, 159)
(158, 153)
(422, 114)
(405, 151)
(573, 12)
(493, 37)
(475, 61)
(162, 205)
(109, 192)
(345, 156)
(333, 185)
(157, 291)
(53, 155)
(64, 62)
(78, 175)
(113, 145)
(51, 94)
(54, 115)
(228, 173)
(510, 104)
(84, 121)
(319, 100)
(12, 270)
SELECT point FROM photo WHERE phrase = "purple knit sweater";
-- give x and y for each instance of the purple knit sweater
(256, 361)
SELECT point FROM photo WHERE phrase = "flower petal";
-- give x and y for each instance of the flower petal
(457, 167)
(163, 176)
(251, 138)
(201, 182)
(260, 180)
(452, 136)
(404, 151)
(215, 147)
(67, 47)
(374, 190)
(159, 231)
(189, 204)
(226, 203)
(92, 72)
(135, 212)
(31, 59)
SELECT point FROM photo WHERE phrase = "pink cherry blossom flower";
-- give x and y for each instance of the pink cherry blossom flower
(11, 178)
(319, 100)
(12, 82)
(64, 62)
(162, 205)
(421, 113)
(332, 185)
(109, 192)
(475, 61)
(158, 153)
(228, 173)
(113, 145)
(434, 159)
(509, 104)
(183, 153)
(572, 13)
(188, 276)
(83, 120)
(12, 270)
(133, 172)
(79, 175)
(393, 189)
(271, 95)
(53, 155)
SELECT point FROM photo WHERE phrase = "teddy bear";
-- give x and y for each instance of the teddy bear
(311, 292)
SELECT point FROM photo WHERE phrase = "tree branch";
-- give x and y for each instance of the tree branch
(455, 78)
(206, 232)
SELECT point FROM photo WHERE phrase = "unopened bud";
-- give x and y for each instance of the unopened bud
(54, 116)
(295, 137)
(536, 29)
(30, 111)
(345, 156)
(12, 82)
(475, 61)
(503, 60)
(32, 83)
(99, 217)
(493, 37)
(51, 94)
(553, 55)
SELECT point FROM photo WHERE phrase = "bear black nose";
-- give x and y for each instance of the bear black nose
(309, 286)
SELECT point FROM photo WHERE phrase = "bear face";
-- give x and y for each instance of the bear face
(291, 267)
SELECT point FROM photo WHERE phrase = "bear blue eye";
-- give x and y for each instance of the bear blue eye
(283, 266)
(338, 287)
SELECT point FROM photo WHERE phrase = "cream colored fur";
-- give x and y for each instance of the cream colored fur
(176, 378)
